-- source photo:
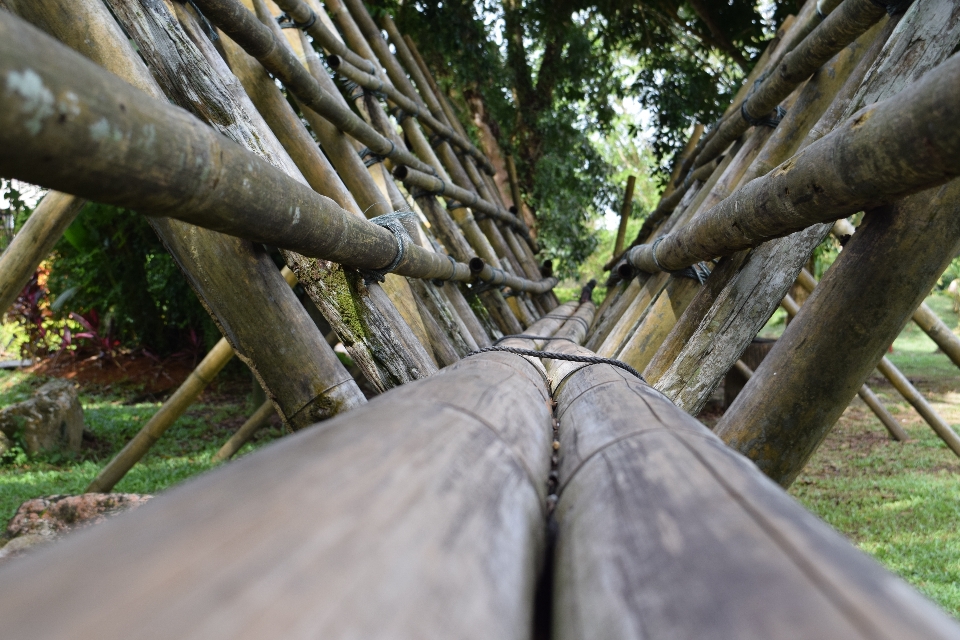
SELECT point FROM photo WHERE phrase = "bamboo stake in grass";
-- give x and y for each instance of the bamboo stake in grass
(242, 436)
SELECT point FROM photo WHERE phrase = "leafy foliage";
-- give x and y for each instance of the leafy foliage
(113, 284)
(547, 77)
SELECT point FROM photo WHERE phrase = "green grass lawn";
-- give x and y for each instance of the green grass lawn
(185, 450)
(900, 502)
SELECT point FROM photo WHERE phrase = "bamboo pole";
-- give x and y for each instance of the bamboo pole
(174, 407)
(405, 501)
(804, 107)
(160, 184)
(924, 316)
(451, 235)
(692, 361)
(522, 251)
(259, 41)
(364, 187)
(892, 425)
(625, 215)
(840, 28)
(642, 344)
(663, 532)
(258, 419)
(361, 314)
(830, 179)
(857, 310)
(34, 242)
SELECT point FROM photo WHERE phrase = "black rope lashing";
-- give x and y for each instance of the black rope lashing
(436, 140)
(453, 204)
(401, 114)
(285, 21)
(699, 272)
(552, 355)
(390, 222)
(770, 120)
(524, 336)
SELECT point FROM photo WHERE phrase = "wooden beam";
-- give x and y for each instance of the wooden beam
(663, 532)
(375, 524)
(860, 306)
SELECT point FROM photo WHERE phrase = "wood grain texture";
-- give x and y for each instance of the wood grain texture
(663, 532)
(419, 515)
(856, 311)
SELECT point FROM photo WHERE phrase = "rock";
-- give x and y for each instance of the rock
(5, 443)
(52, 419)
(45, 519)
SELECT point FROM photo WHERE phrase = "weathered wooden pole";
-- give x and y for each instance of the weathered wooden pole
(194, 75)
(663, 532)
(861, 164)
(692, 360)
(856, 311)
(246, 196)
(805, 106)
(840, 28)
(924, 317)
(625, 215)
(246, 431)
(34, 242)
(892, 425)
(389, 515)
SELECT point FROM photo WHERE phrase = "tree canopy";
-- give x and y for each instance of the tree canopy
(546, 75)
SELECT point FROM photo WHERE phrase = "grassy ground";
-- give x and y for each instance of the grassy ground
(114, 414)
(900, 502)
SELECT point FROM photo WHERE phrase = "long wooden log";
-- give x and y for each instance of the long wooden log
(389, 516)
(856, 311)
(858, 166)
(34, 242)
(924, 316)
(869, 397)
(238, 196)
(663, 532)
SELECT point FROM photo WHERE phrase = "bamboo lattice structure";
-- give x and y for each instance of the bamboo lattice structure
(528, 468)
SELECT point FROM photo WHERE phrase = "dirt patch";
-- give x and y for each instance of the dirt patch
(135, 369)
